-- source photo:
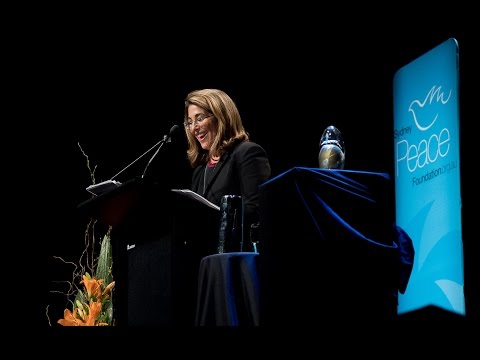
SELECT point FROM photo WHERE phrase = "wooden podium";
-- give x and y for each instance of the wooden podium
(158, 239)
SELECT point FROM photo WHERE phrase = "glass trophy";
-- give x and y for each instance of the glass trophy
(332, 149)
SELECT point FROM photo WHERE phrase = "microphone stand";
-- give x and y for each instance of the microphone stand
(161, 142)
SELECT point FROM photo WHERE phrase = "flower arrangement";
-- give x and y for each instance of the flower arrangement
(93, 295)
(93, 305)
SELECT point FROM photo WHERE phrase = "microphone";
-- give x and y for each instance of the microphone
(166, 138)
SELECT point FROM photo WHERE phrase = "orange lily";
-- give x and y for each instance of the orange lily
(93, 287)
(71, 319)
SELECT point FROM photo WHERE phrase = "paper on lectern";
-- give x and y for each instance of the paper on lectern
(100, 188)
(193, 195)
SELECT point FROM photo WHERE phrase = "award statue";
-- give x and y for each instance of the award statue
(332, 149)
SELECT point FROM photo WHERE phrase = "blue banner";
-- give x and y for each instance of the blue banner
(427, 177)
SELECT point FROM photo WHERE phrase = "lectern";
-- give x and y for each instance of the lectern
(158, 239)
(328, 247)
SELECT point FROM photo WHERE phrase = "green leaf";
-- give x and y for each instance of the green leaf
(104, 265)
(79, 297)
(104, 271)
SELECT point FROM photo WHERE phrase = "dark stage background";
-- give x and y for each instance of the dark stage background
(117, 93)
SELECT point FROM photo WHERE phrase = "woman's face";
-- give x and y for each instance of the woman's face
(201, 125)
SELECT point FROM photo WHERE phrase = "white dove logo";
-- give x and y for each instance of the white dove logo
(434, 96)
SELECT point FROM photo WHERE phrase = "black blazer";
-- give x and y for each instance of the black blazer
(238, 172)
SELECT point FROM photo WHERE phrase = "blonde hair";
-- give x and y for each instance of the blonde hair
(226, 118)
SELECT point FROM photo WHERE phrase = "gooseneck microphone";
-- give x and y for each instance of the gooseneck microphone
(166, 138)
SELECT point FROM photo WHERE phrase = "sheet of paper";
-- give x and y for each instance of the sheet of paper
(100, 188)
(193, 195)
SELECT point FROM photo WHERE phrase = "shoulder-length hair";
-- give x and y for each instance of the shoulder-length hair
(226, 118)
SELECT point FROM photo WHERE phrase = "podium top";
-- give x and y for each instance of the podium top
(111, 206)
